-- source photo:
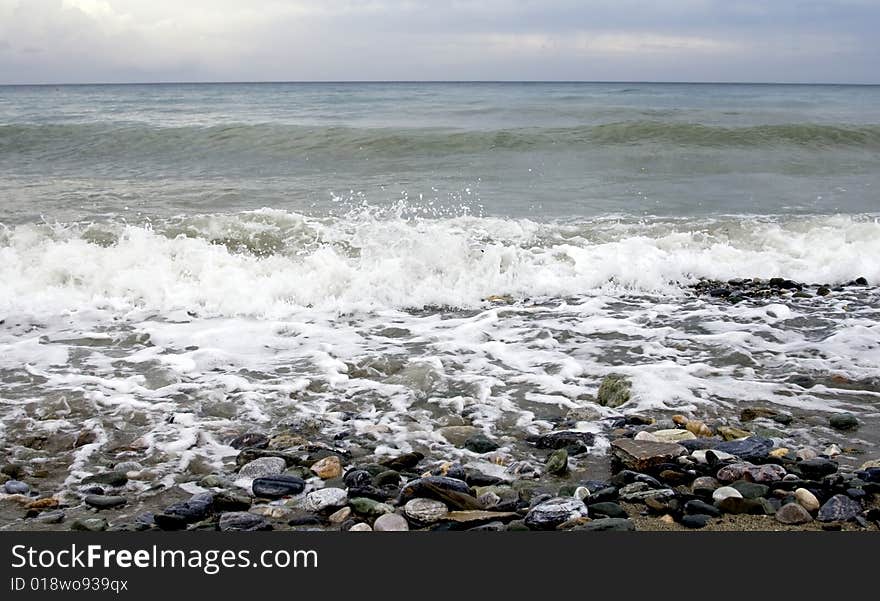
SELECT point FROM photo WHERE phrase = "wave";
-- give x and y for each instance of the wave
(103, 140)
(271, 262)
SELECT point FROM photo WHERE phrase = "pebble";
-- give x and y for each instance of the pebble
(574, 441)
(361, 527)
(275, 487)
(480, 443)
(403, 462)
(328, 468)
(357, 478)
(645, 435)
(726, 492)
(273, 512)
(614, 390)
(748, 449)
(112, 478)
(705, 485)
(319, 500)
(242, 521)
(104, 502)
(456, 494)
(366, 506)
(90, 524)
(844, 421)
(730, 433)
(793, 513)
(338, 517)
(807, 500)
(557, 462)
(699, 429)
(390, 522)
(254, 440)
(608, 509)
(51, 517)
(16, 487)
(553, 512)
(673, 435)
(701, 456)
(262, 467)
(750, 490)
(755, 473)
(426, 511)
(695, 520)
(839, 508)
(806, 453)
(177, 515)
(608, 525)
(832, 450)
(816, 469)
(697, 507)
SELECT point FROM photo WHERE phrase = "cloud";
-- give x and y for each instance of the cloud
(195, 40)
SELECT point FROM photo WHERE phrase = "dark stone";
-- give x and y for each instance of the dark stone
(700, 444)
(144, 521)
(178, 515)
(403, 462)
(872, 474)
(594, 486)
(253, 440)
(752, 449)
(839, 508)
(783, 284)
(480, 443)
(104, 502)
(573, 441)
(357, 478)
(455, 493)
(608, 509)
(275, 487)
(697, 507)
(475, 478)
(750, 490)
(695, 520)
(116, 478)
(737, 505)
(241, 521)
(844, 421)
(823, 291)
(455, 470)
(387, 478)
(624, 477)
(608, 525)
(641, 455)
(228, 501)
(817, 468)
(861, 281)
(371, 492)
(603, 495)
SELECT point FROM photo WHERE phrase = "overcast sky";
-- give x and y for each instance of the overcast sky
(56, 41)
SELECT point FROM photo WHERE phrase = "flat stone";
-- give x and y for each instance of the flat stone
(608, 525)
(614, 390)
(242, 521)
(748, 449)
(262, 467)
(553, 512)
(325, 498)
(390, 522)
(477, 516)
(807, 500)
(425, 511)
(793, 513)
(673, 435)
(839, 508)
(114, 478)
(275, 487)
(104, 502)
(608, 509)
(328, 468)
(456, 494)
(51, 517)
(361, 527)
(90, 524)
(641, 455)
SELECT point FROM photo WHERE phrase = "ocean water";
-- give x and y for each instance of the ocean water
(370, 262)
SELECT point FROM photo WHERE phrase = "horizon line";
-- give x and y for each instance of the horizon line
(435, 81)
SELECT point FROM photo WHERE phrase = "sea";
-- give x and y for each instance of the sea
(366, 264)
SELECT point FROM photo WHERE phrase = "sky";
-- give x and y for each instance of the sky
(82, 41)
